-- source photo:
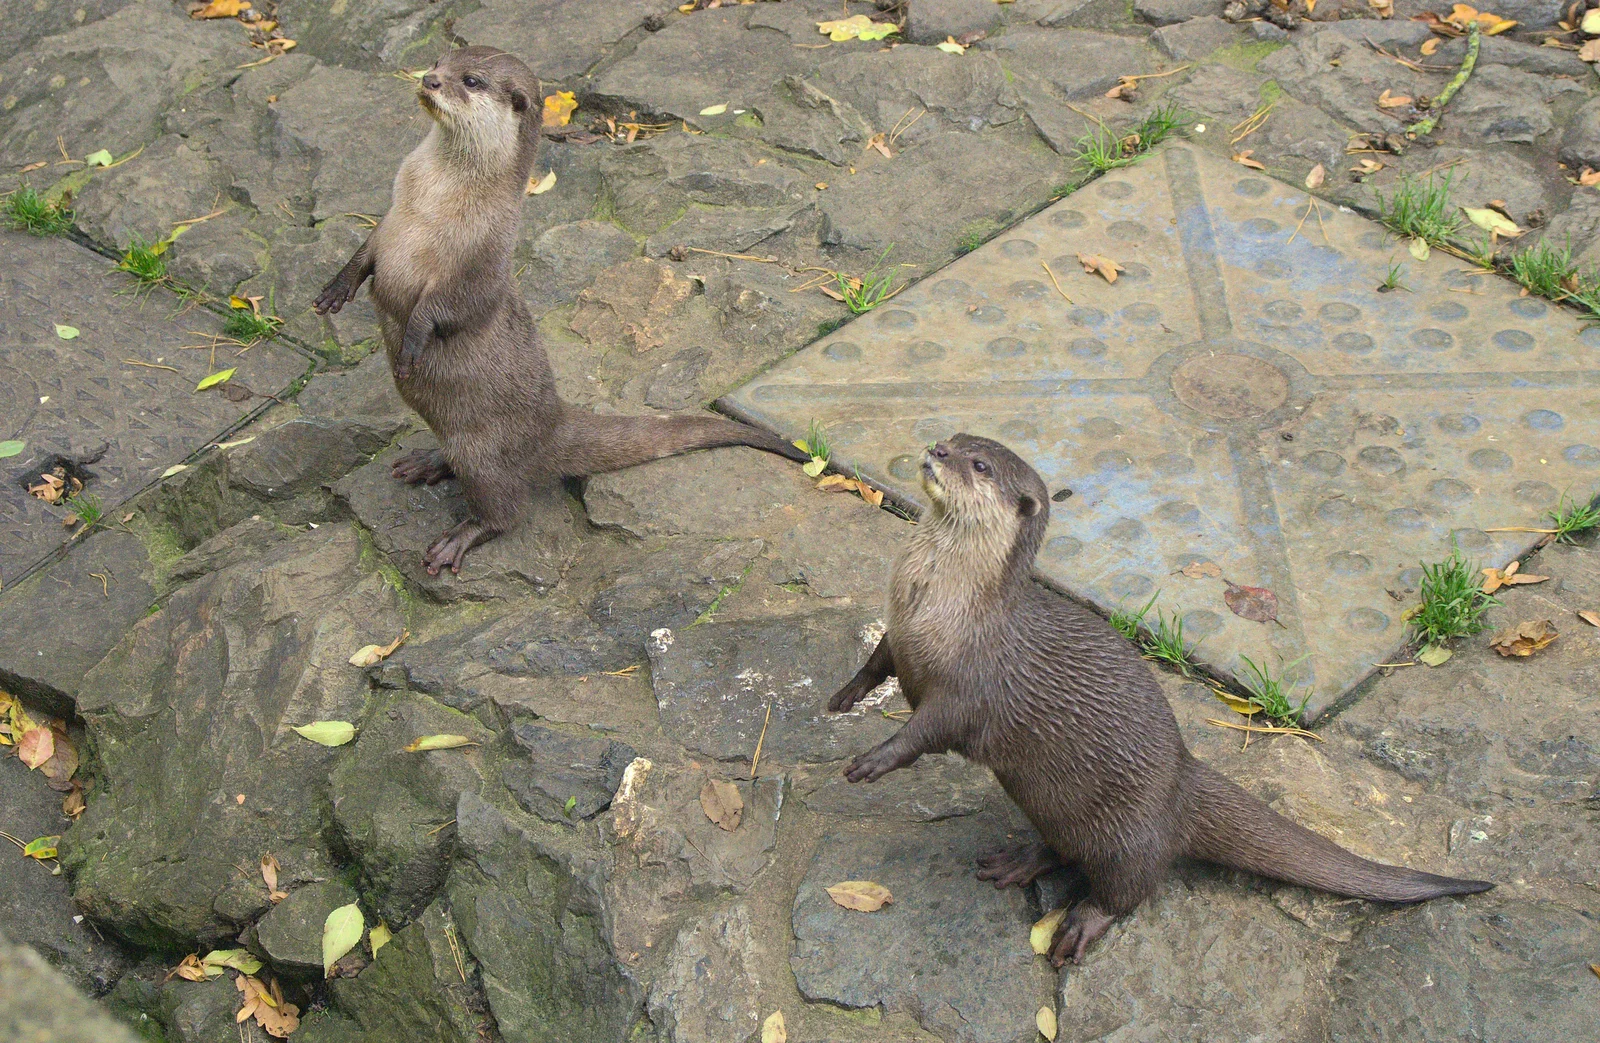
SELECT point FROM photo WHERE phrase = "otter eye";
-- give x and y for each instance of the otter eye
(471, 82)
(979, 466)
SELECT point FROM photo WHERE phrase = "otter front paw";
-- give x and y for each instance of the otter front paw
(873, 765)
(334, 296)
(848, 696)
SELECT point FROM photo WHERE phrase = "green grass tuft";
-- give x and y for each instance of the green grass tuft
(144, 261)
(1165, 643)
(1392, 280)
(871, 289)
(248, 326)
(28, 211)
(87, 508)
(1421, 209)
(1453, 602)
(1269, 693)
(1105, 149)
(1127, 623)
(1550, 272)
(1574, 519)
(969, 242)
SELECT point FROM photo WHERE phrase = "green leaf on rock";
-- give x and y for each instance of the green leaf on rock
(856, 27)
(66, 332)
(379, 938)
(340, 933)
(98, 159)
(216, 378)
(1434, 655)
(239, 959)
(815, 467)
(327, 733)
(42, 848)
(1492, 221)
(13, 447)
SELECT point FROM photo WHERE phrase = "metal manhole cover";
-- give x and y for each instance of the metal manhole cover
(1243, 394)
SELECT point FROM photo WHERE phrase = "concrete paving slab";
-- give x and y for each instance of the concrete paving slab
(1244, 394)
(82, 400)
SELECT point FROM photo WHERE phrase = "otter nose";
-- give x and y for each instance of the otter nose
(431, 81)
(941, 452)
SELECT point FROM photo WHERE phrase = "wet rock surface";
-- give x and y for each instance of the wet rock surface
(644, 633)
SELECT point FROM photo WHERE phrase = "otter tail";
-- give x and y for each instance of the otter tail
(594, 444)
(1228, 826)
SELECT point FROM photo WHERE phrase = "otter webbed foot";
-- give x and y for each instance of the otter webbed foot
(448, 550)
(422, 466)
(1018, 866)
(878, 762)
(1083, 925)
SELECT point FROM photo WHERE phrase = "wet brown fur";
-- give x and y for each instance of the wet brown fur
(464, 350)
(1067, 715)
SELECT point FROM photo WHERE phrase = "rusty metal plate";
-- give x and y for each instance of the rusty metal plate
(70, 398)
(1243, 394)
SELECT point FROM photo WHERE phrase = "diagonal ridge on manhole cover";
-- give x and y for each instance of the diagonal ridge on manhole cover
(1244, 394)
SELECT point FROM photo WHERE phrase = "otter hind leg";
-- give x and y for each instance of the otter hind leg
(1082, 926)
(423, 466)
(1018, 866)
(495, 500)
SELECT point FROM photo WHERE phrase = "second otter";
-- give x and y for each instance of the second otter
(1066, 714)
(464, 350)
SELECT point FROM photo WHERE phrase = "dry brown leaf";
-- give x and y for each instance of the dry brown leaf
(63, 762)
(269, 874)
(1244, 160)
(1494, 579)
(369, 655)
(1383, 8)
(1366, 167)
(1199, 569)
(1430, 45)
(1590, 616)
(1590, 51)
(1590, 177)
(1254, 603)
(1318, 175)
(36, 746)
(191, 969)
(1393, 101)
(50, 490)
(773, 1029)
(861, 895)
(722, 804)
(1104, 265)
(72, 805)
(1525, 638)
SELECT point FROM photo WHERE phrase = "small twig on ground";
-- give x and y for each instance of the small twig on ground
(1407, 62)
(436, 829)
(1424, 126)
(756, 760)
(455, 950)
(1246, 127)
(1053, 282)
(147, 365)
(736, 257)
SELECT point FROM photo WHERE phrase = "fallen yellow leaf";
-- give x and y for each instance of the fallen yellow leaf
(1244, 160)
(368, 655)
(856, 27)
(439, 742)
(327, 733)
(1318, 174)
(1393, 101)
(220, 9)
(861, 895)
(1430, 45)
(1045, 1020)
(773, 1030)
(543, 185)
(340, 933)
(1043, 932)
(558, 109)
(1590, 616)
(1104, 265)
(1492, 221)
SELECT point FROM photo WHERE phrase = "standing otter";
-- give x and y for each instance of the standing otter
(464, 350)
(1067, 716)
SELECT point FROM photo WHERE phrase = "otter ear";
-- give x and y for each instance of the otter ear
(519, 100)
(1027, 506)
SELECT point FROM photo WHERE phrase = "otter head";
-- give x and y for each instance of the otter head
(990, 495)
(486, 105)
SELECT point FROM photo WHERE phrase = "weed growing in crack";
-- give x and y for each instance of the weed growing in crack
(1453, 602)
(872, 288)
(1105, 149)
(1270, 694)
(1421, 209)
(1574, 519)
